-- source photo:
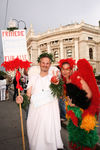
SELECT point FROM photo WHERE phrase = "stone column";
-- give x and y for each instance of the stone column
(31, 54)
(28, 55)
(39, 51)
(76, 50)
(48, 47)
(61, 50)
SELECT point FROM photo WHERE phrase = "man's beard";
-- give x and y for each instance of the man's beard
(45, 70)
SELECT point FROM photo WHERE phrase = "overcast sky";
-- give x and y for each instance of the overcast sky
(49, 14)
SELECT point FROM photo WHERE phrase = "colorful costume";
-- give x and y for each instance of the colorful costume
(79, 138)
(82, 117)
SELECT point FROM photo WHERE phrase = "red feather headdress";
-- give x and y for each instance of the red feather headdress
(70, 61)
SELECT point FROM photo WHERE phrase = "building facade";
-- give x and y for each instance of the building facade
(73, 40)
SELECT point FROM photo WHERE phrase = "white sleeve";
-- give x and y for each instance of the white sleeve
(29, 83)
(34, 70)
(32, 82)
(32, 75)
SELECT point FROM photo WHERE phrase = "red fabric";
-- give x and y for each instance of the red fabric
(18, 75)
(73, 117)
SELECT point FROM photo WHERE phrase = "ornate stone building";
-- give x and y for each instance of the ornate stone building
(73, 40)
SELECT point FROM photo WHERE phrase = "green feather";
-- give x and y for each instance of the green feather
(57, 90)
(79, 136)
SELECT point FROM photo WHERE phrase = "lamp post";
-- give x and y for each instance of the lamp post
(13, 24)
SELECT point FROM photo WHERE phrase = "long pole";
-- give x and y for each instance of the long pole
(21, 118)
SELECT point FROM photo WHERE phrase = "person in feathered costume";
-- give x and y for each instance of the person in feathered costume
(65, 73)
(83, 105)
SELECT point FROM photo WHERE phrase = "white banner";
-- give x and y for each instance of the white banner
(14, 44)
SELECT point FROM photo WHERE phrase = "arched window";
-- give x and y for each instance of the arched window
(55, 52)
(56, 56)
(91, 53)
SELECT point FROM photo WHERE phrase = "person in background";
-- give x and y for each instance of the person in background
(8, 82)
(2, 88)
(15, 89)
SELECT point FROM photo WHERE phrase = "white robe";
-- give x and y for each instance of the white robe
(43, 123)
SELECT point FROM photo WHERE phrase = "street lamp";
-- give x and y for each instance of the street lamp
(13, 24)
(24, 24)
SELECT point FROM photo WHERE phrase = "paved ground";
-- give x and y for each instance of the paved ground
(10, 131)
(10, 128)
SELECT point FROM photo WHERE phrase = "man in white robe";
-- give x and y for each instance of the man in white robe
(43, 122)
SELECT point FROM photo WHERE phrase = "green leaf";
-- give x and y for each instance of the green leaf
(57, 90)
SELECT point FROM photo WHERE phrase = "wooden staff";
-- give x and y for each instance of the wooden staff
(21, 118)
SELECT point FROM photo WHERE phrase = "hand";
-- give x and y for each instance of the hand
(56, 83)
(70, 102)
(19, 99)
(55, 79)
